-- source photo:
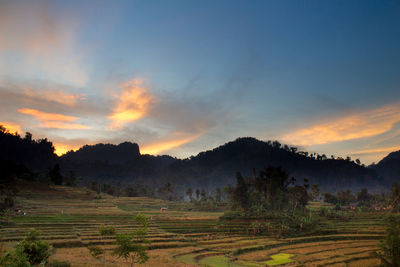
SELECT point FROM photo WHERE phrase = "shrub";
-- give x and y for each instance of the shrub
(35, 250)
(390, 255)
(14, 259)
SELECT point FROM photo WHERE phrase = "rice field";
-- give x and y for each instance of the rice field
(68, 218)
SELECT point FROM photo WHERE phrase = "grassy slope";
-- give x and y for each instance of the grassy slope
(69, 217)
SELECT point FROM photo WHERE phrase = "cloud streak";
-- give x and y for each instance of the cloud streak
(354, 126)
(177, 140)
(56, 96)
(54, 120)
(132, 104)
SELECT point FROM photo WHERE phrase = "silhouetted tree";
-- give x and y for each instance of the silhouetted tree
(55, 175)
(218, 194)
(189, 193)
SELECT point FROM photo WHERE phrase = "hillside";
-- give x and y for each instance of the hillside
(389, 167)
(123, 163)
(215, 167)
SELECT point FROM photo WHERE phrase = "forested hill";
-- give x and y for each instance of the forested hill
(35, 154)
(123, 163)
(389, 167)
(116, 163)
(218, 166)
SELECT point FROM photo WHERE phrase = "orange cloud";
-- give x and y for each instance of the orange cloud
(354, 126)
(54, 120)
(56, 96)
(11, 127)
(133, 103)
(178, 140)
(61, 149)
(376, 150)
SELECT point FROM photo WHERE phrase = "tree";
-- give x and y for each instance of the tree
(218, 195)
(130, 245)
(390, 245)
(197, 194)
(298, 197)
(395, 197)
(330, 198)
(203, 195)
(189, 193)
(55, 175)
(35, 250)
(71, 179)
(315, 192)
(240, 192)
(104, 231)
(364, 198)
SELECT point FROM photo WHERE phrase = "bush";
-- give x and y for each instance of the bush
(14, 259)
(35, 250)
(390, 255)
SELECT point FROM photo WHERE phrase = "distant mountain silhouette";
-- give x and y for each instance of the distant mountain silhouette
(218, 166)
(106, 152)
(389, 167)
(115, 163)
(215, 167)
(35, 154)
(107, 163)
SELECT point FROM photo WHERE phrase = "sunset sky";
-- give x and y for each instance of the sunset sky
(180, 77)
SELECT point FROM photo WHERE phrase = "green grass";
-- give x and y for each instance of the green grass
(187, 258)
(278, 259)
(218, 261)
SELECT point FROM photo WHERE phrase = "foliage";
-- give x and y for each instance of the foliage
(130, 245)
(105, 230)
(14, 259)
(390, 255)
(35, 250)
(96, 252)
(55, 175)
(395, 197)
(315, 192)
(271, 190)
(364, 198)
(292, 224)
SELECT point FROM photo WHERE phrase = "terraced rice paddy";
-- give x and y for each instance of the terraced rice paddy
(185, 238)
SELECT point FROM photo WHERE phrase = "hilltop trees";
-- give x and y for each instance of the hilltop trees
(270, 190)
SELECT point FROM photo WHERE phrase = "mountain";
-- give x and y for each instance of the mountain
(115, 163)
(219, 166)
(389, 167)
(123, 163)
(36, 154)
(215, 168)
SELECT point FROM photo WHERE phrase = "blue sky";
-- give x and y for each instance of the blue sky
(179, 77)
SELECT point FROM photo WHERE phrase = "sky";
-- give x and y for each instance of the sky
(181, 77)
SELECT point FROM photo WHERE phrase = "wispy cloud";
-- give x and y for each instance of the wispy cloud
(353, 126)
(376, 151)
(54, 120)
(56, 96)
(132, 104)
(11, 126)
